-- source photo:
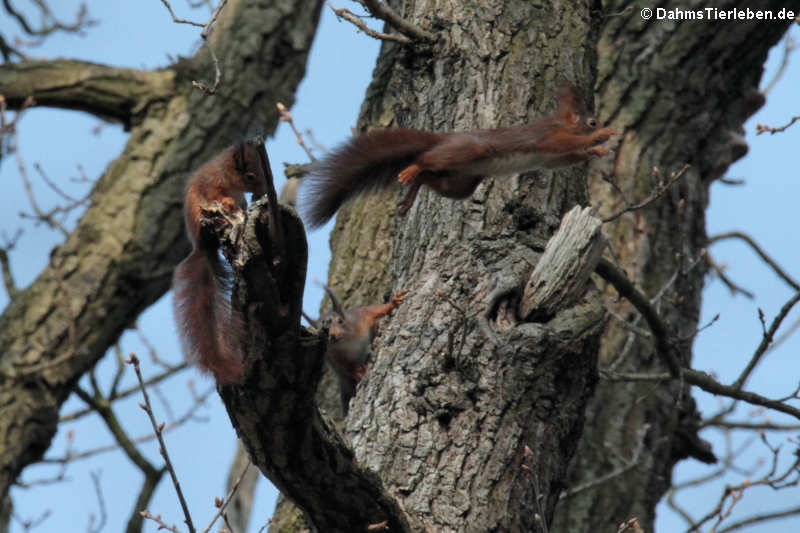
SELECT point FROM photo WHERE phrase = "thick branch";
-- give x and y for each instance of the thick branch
(111, 93)
(666, 348)
(274, 411)
(559, 278)
(121, 255)
(626, 289)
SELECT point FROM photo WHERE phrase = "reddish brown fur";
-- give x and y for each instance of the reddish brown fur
(452, 164)
(350, 335)
(208, 327)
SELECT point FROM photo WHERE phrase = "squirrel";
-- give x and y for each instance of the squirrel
(350, 335)
(209, 329)
(452, 164)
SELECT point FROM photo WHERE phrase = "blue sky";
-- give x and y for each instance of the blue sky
(141, 34)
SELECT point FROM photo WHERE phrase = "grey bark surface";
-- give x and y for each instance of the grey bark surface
(680, 92)
(465, 434)
(120, 257)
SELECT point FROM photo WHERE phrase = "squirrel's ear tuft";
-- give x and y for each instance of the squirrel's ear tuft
(569, 102)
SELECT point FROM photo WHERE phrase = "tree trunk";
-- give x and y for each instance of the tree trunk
(444, 416)
(120, 257)
(681, 91)
(467, 432)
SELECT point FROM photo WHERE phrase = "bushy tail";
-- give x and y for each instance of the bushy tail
(366, 162)
(208, 328)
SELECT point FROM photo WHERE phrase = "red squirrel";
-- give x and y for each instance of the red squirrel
(350, 335)
(452, 164)
(207, 325)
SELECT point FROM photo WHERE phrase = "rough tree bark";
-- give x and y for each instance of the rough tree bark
(447, 415)
(120, 257)
(428, 419)
(681, 92)
(454, 429)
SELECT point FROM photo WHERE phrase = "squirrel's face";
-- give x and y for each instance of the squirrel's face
(337, 326)
(579, 124)
(251, 168)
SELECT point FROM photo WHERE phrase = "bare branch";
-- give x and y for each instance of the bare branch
(709, 384)
(760, 519)
(666, 351)
(731, 181)
(50, 24)
(626, 289)
(127, 392)
(32, 523)
(187, 416)
(382, 11)
(630, 464)
(101, 406)
(756, 426)
(207, 27)
(720, 272)
(223, 504)
(349, 16)
(240, 508)
(659, 191)
(761, 128)
(789, 46)
(8, 279)
(286, 116)
(161, 524)
(159, 428)
(632, 376)
(766, 340)
(761, 253)
(92, 528)
(110, 93)
(179, 20)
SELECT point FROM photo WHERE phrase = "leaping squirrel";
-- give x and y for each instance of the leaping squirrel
(452, 164)
(208, 327)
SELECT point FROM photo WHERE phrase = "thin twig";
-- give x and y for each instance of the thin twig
(720, 272)
(761, 128)
(788, 47)
(207, 28)
(665, 349)
(617, 472)
(180, 20)
(82, 20)
(655, 195)
(354, 19)
(223, 504)
(761, 253)
(766, 340)
(286, 116)
(382, 11)
(632, 376)
(127, 392)
(188, 415)
(98, 491)
(760, 519)
(158, 428)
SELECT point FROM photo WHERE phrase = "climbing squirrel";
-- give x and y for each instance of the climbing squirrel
(452, 164)
(350, 335)
(209, 329)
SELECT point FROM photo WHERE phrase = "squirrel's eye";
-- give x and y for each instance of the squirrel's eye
(249, 176)
(591, 122)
